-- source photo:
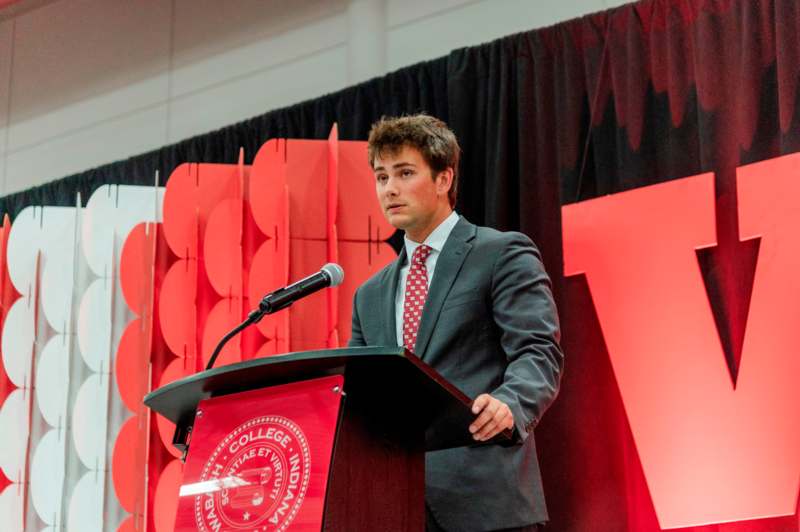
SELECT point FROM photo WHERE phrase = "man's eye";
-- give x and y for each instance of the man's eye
(381, 178)
(407, 173)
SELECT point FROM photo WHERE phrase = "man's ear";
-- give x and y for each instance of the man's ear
(444, 180)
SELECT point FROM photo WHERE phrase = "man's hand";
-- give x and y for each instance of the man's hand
(494, 416)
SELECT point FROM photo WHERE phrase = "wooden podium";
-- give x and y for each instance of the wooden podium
(332, 440)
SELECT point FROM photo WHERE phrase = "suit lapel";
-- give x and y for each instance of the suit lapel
(448, 265)
(388, 300)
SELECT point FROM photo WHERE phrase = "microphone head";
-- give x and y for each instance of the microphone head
(335, 272)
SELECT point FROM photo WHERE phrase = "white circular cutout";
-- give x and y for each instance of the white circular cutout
(97, 229)
(58, 247)
(110, 214)
(51, 231)
(20, 254)
(47, 477)
(11, 505)
(17, 342)
(55, 292)
(86, 504)
(89, 421)
(14, 428)
(52, 379)
(94, 325)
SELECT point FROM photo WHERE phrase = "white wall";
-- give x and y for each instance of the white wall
(88, 82)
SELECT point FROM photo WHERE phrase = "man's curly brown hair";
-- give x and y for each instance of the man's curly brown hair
(431, 136)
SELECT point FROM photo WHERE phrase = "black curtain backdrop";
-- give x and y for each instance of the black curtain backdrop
(641, 94)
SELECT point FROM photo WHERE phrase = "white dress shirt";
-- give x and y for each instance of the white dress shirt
(435, 241)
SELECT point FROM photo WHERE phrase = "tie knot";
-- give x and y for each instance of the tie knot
(421, 254)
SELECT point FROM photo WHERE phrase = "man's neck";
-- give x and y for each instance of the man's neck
(420, 236)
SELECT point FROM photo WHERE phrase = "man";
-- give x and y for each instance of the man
(475, 304)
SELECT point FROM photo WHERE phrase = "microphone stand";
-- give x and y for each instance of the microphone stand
(180, 438)
(254, 317)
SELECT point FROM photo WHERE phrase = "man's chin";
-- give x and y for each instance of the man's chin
(398, 221)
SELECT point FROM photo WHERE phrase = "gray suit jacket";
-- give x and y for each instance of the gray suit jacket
(489, 325)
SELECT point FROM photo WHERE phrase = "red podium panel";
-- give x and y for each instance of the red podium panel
(260, 460)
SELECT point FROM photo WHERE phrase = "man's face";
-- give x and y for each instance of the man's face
(409, 196)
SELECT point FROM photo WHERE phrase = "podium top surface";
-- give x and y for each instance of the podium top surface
(397, 382)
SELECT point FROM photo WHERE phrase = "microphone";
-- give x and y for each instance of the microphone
(330, 275)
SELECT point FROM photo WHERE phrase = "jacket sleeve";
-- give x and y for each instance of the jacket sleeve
(356, 336)
(524, 310)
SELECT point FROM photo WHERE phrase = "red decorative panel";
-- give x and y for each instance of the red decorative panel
(131, 366)
(141, 271)
(177, 303)
(8, 295)
(177, 369)
(165, 507)
(126, 471)
(712, 450)
(269, 268)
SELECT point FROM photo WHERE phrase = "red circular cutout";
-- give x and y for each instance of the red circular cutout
(269, 271)
(176, 306)
(271, 347)
(136, 266)
(222, 248)
(180, 211)
(133, 355)
(192, 192)
(268, 193)
(166, 429)
(165, 505)
(225, 315)
(127, 477)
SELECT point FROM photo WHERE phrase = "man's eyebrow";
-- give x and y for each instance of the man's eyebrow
(396, 165)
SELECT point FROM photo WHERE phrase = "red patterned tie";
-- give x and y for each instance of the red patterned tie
(416, 292)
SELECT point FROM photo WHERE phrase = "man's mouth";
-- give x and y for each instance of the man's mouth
(393, 207)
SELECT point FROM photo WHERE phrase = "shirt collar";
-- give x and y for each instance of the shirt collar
(437, 238)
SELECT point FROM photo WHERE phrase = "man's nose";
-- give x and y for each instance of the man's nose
(390, 189)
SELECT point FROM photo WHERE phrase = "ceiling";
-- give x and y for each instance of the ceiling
(11, 8)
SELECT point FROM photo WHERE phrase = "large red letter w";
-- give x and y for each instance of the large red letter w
(711, 452)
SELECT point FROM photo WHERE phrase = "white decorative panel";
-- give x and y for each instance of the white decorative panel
(89, 421)
(94, 324)
(11, 508)
(47, 477)
(86, 504)
(17, 341)
(14, 428)
(110, 214)
(52, 381)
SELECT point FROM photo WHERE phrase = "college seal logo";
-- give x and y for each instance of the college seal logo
(257, 477)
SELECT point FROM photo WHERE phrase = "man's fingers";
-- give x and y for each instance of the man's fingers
(480, 402)
(494, 425)
(501, 420)
(487, 414)
(488, 430)
(493, 416)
